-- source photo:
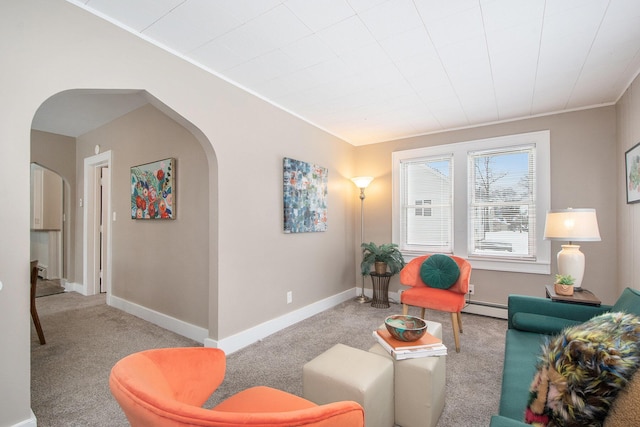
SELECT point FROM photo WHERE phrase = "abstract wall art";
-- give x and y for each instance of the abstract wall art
(305, 197)
(153, 191)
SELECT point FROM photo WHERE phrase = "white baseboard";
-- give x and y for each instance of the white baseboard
(486, 309)
(29, 422)
(178, 326)
(75, 287)
(263, 330)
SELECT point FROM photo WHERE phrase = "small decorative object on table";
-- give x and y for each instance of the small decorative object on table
(383, 256)
(564, 284)
(428, 345)
(405, 328)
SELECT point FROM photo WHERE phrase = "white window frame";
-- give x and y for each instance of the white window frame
(541, 140)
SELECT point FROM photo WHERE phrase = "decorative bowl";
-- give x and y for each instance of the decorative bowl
(405, 328)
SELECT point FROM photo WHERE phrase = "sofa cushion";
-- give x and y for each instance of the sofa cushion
(628, 302)
(582, 370)
(520, 357)
(541, 324)
(439, 271)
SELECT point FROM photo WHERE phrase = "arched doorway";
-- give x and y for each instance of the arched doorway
(135, 268)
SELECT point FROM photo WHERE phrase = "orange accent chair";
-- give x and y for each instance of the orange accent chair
(451, 300)
(167, 387)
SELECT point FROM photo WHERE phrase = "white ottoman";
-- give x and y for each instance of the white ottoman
(346, 373)
(419, 385)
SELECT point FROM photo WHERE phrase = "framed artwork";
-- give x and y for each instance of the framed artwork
(305, 197)
(632, 177)
(153, 191)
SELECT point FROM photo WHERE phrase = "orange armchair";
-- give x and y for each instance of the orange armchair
(167, 387)
(451, 300)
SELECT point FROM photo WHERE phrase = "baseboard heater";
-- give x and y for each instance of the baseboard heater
(481, 308)
(486, 309)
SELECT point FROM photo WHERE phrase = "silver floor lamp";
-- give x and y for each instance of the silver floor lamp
(362, 182)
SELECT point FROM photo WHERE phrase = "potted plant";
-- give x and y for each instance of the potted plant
(381, 257)
(563, 284)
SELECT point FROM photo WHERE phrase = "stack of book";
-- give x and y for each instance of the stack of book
(426, 346)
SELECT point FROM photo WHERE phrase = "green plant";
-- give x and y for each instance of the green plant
(387, 253)
(564, 279)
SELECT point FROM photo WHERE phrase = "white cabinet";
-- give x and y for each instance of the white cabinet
(46, 220)
(46, 199)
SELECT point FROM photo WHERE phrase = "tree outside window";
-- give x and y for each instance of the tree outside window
(501, 201)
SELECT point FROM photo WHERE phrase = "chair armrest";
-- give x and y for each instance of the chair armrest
(565, 313)
(500, 421)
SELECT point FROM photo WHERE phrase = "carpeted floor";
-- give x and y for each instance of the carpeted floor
(85, 337)
(46, 287)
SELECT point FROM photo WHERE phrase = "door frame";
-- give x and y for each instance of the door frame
(91, 229)
(104, 189)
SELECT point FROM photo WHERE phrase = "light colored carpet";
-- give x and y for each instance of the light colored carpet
(46, 287)
(85, 337)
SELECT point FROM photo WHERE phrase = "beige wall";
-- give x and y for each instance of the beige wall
(252, 263)
(628, 219)
(583, 172)
(160, 265)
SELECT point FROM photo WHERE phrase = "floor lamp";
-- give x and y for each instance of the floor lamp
(362, 182)
(572, 225)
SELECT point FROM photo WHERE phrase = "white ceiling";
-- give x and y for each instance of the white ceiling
(374, 70)
(77, 112)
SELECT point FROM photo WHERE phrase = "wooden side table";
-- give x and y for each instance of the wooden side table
(380, 290)
(583, 297)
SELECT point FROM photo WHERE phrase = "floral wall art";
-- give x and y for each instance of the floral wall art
(632, 163)
(153, 190)
(305, 197)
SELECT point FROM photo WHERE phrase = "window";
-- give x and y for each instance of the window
(502, 202)
(427, 182)
(477, 199)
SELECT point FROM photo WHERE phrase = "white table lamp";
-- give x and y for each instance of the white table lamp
(572, 225)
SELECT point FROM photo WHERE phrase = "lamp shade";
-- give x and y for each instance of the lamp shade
(574, 225)
(362, 181)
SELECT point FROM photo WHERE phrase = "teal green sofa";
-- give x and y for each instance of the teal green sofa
(531, 319)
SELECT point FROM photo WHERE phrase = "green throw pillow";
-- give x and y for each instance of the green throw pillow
(439, 271)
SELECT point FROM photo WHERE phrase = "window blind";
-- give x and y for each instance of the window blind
(427, 204)
(502, 202)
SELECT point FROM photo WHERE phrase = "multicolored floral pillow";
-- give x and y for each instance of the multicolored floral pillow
(582, 369)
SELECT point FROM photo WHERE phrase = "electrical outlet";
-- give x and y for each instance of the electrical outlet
(289, 297)
(472, 290)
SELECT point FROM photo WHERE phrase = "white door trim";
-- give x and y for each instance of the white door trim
(90, 266)
(105, 193)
